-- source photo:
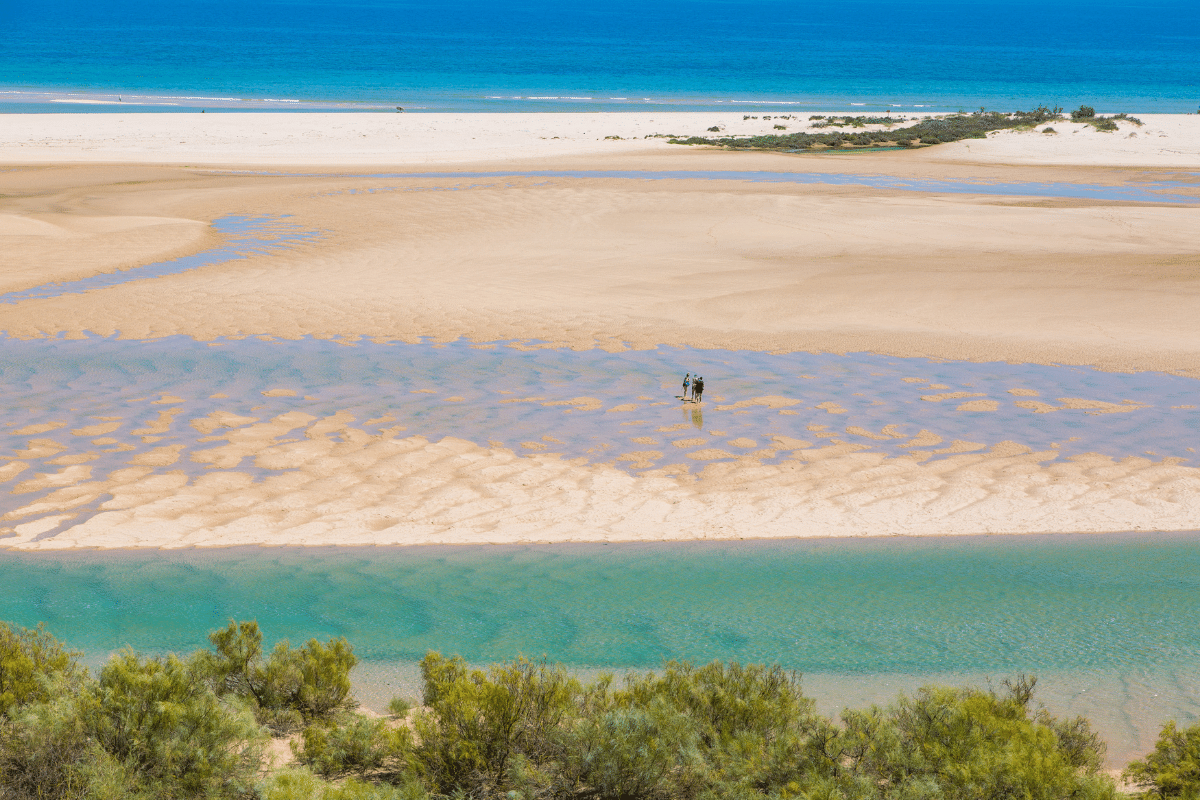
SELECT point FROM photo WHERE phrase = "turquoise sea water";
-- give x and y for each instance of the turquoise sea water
(523, 55)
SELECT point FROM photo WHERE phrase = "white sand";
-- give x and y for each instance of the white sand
(301, 139)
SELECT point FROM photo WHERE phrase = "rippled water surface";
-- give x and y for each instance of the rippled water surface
(917, 606)
(98, 404)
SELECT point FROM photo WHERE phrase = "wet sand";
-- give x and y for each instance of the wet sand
(584, 261)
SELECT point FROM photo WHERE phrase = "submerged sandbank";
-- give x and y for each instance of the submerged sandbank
(177, 443)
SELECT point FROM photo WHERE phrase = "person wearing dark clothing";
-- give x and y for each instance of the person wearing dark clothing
(697, 388)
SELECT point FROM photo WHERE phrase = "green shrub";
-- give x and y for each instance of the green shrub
(156, 728)
(161, 722)
(361, 745)
(46, 752)
(313, 681)
(970, 743)
(1173, 769)
(300, 784)
(1083, 113)
(29, 660)
(400, 706)
(931, 130)
(477, 722)
(1048, 129)
(147, 729)
(646, 752)
(1104, 124)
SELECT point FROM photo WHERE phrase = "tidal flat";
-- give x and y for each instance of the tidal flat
(236, 380)
(174, 442)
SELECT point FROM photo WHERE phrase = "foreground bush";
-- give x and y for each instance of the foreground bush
(288, 688)
(359, 745)
(30, 660)
(1173, 769)
(172, 728)
(146, 728)
(724, 730)
(300, 784)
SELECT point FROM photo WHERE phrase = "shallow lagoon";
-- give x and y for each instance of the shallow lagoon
(1150, 190)
(1110, 622)
(920, 605)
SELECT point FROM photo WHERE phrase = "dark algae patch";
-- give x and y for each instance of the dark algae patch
(934, 130)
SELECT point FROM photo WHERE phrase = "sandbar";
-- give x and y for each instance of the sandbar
(430, 228)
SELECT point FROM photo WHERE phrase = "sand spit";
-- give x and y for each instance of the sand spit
(341, 485)
(315, 139)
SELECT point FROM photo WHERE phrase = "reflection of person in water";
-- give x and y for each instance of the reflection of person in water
(697, 415)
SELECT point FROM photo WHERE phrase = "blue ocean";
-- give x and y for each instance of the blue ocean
(537, 55)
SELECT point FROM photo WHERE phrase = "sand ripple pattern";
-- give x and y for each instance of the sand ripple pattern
(174, 442)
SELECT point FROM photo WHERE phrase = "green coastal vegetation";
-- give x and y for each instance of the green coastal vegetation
(202, 726)
(925, 132)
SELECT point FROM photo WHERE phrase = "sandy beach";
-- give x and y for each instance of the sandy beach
(438, 228)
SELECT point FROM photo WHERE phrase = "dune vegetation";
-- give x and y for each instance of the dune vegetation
(928, 131)
(200, 727)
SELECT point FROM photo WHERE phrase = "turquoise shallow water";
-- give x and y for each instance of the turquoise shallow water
(1109, 623)
(914, 606)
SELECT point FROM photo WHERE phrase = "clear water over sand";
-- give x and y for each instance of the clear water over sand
(103, 402)
(242, 237)
(1110, 622)
(1147, 191)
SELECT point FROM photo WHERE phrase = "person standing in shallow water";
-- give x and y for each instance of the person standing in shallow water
(687, 382)
(697, 388)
